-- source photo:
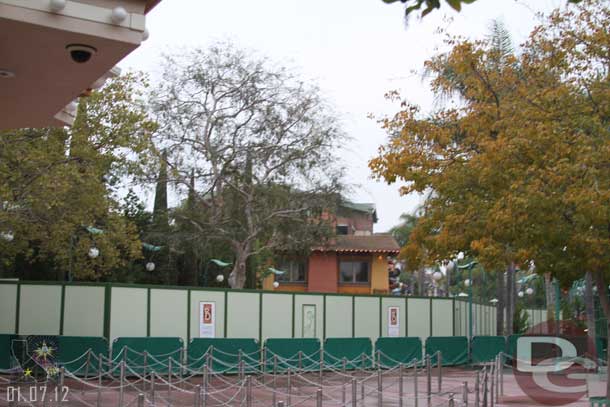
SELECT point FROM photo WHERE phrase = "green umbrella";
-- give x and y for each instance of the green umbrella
(220, 263)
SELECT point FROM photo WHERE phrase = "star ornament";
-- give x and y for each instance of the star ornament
(27, 372)
(44, 351)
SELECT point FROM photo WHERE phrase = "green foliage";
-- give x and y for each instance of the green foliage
(521, 319)
(56, 182)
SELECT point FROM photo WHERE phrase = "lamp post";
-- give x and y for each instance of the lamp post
(468, 283)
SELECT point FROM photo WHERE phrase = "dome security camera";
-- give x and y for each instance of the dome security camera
(81, 53)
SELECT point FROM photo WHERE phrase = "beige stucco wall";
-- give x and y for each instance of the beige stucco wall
(379, 273)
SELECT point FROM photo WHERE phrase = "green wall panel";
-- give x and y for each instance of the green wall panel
(367, 317)
(442, 317)
(39, 312)
(128, 312)
(338, 316)
(277, 316)
(84, 311)
(8, 303)
(308, 300)
(243, 315)
(419, 317)
(168, 313)
(218, 298)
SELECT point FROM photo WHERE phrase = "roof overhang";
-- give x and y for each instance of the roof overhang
(43, 79)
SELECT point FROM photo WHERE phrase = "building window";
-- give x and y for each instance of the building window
(294, 271)
(342, 229)
(354, 271)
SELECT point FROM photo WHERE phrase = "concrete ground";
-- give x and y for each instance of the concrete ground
(300, 391)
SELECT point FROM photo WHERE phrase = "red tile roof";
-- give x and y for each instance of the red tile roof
(378, 243)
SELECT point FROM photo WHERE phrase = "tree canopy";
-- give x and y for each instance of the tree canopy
(253, 145)
(57, 182)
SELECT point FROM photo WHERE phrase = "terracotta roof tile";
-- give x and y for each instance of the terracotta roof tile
(378, 243)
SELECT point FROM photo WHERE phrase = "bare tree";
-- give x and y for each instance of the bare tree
(259, 144)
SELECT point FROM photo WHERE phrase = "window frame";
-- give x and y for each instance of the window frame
(289, 271)
(355, 259)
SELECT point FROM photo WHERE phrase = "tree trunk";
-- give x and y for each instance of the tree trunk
(500, 293)
(510, 306)
(237, 278)
(420, 281)
(590, 307)
(602, 290)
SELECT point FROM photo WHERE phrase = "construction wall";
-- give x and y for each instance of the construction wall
(119, 310)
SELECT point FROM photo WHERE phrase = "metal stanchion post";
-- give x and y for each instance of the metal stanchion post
(501, 373)
(429, 380)
(280, 403)
(100, 378)
(451, 400)
(248, 391)
(87, 368)
(300, 366)
(145, 368)
(206, 383)
(197, 395)
(439, 366)
(485, 387)
(498, 368)
(141, 400)
(354, 392)
(152, 387)
(319, 398)
(379, 387)
(477, 388)
(60, 384)
(363, 360)
(400, 384)
(415, 387)
(465, 394)
(273, 396)
(321, 368)
(180, 365)
(492, 373)
(264, 367)
(169, 380)
(289, 384)
(378, 355)
(122, 382)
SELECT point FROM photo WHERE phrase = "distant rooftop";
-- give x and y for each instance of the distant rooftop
(377, 243)
(368, 208)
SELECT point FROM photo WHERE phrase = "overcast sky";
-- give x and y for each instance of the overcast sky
(355, 50)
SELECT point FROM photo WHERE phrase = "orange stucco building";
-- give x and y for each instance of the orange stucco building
(355, 261)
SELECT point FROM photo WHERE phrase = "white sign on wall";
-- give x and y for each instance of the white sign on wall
(207, 319)
(393, 321)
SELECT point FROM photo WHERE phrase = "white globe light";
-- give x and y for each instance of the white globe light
(220, 278)
(467, 282)
(520, 294)
(276, 284)
(8, 236)
(460, 256)
(145, 34)
(94, 252)
(150, 266)
(57, 5)
(119, 14)
(437, 275)
(529, 291)
(494, 300)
